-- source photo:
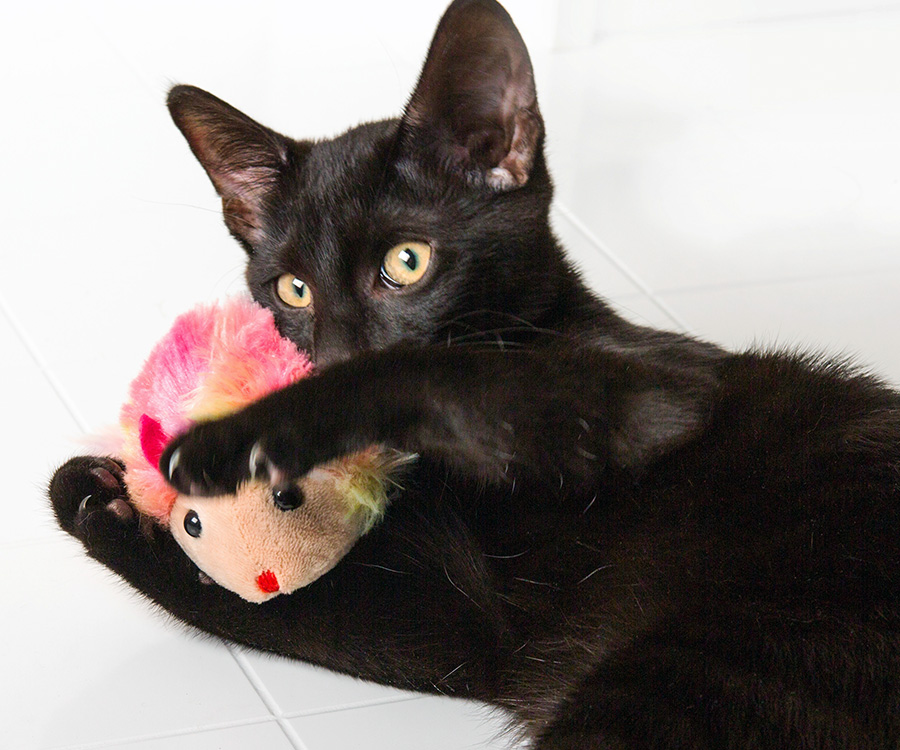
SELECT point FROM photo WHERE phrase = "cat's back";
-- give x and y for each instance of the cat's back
(794, 486)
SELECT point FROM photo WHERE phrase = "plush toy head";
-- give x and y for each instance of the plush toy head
(262, 541)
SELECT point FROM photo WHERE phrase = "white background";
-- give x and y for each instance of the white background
(728, 167)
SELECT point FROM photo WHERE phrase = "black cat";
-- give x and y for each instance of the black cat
(625, 537)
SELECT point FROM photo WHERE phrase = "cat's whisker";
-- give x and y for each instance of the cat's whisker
(596, 570)
(535, 583)
(383, 567)
(521, 324)
(452, 671)
(508, 557)
(487, 333)
(447, 573)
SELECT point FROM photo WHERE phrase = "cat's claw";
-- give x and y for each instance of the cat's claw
(213, 459)
(174, 461)
(118, 506)
(260, 462)
(175, 478)
(256, 443)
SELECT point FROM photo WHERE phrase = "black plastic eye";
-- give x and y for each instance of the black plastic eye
(192, 524)
(288, 497)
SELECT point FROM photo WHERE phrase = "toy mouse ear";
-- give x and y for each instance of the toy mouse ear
(244, 160)
(153, 439)
(475, 106)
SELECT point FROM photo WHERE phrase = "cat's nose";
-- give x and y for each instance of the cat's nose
(328, 358)
(332, 354)
(339, 334)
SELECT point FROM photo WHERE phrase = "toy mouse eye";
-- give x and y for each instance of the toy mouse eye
(192, 524)
(287, 498)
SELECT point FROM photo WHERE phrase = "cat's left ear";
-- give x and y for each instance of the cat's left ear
(244, 160)
(475, 107)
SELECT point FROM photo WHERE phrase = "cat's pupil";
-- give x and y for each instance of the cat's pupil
(405, 263)
(409, 259)
(293, 291)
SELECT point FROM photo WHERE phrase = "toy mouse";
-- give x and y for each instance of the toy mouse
(264, 540)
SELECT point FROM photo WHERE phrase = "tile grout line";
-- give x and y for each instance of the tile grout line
(621, 266)
(740, 284)
(38, 360)
(266, 697)
(374, 703)
(187, 732)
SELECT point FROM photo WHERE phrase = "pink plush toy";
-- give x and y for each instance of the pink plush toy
(216, 359)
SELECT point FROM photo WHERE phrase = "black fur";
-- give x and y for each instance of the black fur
(625, 537)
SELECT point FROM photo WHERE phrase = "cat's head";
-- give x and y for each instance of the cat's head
(420, 229)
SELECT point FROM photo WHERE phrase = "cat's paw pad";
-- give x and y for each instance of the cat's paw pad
(86, 486)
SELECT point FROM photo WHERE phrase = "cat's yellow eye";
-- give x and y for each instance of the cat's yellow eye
(406, 263)
(293, 291)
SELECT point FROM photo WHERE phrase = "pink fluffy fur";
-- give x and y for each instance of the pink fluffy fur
(215, 359)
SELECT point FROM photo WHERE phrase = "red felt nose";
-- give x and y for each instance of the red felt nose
(267, 582)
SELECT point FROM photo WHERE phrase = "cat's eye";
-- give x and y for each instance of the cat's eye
(288, 497)
(293, 291)
(406, 263)
(192, 524)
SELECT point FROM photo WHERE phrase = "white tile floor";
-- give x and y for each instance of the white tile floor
(729, 167)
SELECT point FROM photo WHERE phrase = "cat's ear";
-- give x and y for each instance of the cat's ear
(244, 160)
(475, 106)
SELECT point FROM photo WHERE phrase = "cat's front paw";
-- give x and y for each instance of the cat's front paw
(89, 492)
(213, 458)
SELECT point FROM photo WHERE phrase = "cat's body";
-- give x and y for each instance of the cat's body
(625, 537)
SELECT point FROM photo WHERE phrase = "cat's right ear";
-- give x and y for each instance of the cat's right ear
(245, 161)
(474, 108)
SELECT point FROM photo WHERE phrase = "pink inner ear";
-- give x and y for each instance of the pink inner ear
(153, 439)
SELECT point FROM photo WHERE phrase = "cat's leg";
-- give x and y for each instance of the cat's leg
(392, 611)
(737, 677)
(91, 503)
(556, 416)
(651, 696)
